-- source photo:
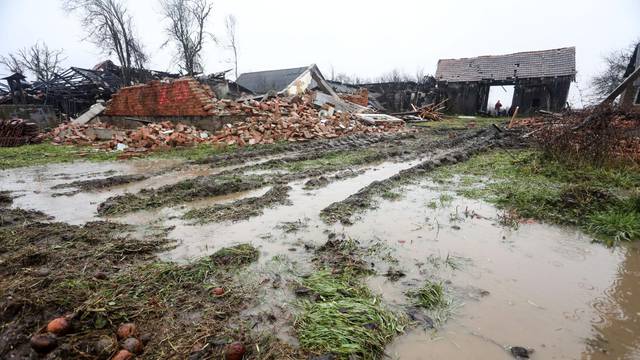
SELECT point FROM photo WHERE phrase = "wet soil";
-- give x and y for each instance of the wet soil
(102, 183)
(534, 286)
(241, 209)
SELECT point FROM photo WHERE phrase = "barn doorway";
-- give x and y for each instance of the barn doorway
(504, 93)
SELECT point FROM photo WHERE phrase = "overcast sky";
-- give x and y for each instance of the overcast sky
(364, 38)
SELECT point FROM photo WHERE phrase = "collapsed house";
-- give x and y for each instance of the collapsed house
(293, 81)
(631, 97)
(541, 80)
(75, 89)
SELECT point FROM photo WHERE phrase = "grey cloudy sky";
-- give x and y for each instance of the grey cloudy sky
(364, 38)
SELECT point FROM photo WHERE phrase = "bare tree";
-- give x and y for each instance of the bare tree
(186, 29)
(42, 62)
(616, 62)
(231, 23)
(12, 63)
(109, 27)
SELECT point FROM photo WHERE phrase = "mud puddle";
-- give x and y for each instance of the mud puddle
(278, 231)
(39, 188)
(539, 286)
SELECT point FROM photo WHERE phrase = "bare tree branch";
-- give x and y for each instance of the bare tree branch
(42, 62)
(186, 30)
(12, 63)
(109, 27)
(616, 62)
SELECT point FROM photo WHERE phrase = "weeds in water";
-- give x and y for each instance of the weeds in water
(236, 255)
(602, 201)
(293, 226)
(347, 320)
(430, 296)
(615, 225)
(390, 195)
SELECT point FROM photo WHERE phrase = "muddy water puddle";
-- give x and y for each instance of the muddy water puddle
(33, 187)
(538, 286)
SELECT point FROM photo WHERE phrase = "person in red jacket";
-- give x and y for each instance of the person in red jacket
(498, 107)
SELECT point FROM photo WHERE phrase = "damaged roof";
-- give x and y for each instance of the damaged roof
(530, 64)
(261, 82)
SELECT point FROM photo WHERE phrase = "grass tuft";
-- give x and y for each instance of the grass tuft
(430, 296)
(346, 320)
(235, 255)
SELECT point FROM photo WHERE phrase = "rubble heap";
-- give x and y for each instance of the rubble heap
(150, 136)
(291, 119)
(15, 132)
(265, 122)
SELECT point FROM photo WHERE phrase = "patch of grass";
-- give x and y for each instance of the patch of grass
(602, 201)
(430, 296)
(615, 225)
(334, 160)
(240, 209)
(47, 153)
(390, 195)
(457, 123)
(236, 255)
(347, 320)
(181, 192)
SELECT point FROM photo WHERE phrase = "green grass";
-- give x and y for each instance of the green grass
(457, 123)
(335, 160)
(346, 320)
(602, 201)
(390, 195)
(48, 153)
(430, 296)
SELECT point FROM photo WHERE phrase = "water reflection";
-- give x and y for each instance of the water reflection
(616, 329)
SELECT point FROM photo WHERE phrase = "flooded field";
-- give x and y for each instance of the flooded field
(544, 288)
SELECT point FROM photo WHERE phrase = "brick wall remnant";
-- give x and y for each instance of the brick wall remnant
(181, 97)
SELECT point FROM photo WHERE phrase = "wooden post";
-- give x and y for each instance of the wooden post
(515, 113)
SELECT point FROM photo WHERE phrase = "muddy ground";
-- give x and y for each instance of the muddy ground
(334, 249)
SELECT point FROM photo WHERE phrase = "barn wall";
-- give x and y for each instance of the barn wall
(541, 94)
(469, 98)
(466, 98)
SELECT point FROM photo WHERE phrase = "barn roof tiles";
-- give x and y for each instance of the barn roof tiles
(530, 64)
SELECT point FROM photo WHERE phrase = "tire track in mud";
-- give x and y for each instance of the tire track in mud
(366, 198)
(405, 147)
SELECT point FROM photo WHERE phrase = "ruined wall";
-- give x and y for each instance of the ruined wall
(44, 116)
(549, 94)
(469, 98)
(178, 98)
(398, 96)
(465, 98)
